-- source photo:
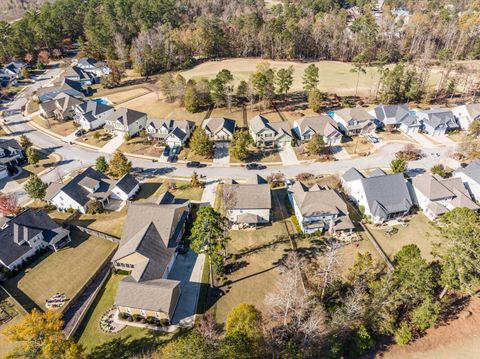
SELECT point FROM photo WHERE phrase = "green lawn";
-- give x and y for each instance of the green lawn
(125, 344)
(258, 254)
(44, 163)
(419, 231)
(183, 190)
(65, 271)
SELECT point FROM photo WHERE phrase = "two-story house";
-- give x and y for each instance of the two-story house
(76, 73)
(247, 204)
(61, 107)
(380, 196)
(268, 134)
(395, 117)
(92, 66)
(170, 132)
(28, 232)
(470, 176)
(437, 121)
(66, 86)
(90, 186)
(354, 121)
(91, 114)
(307, 127)
(436, 195)
(319, 209)
(124, 121)
(11, 154)
(466, 114)
(147, 251)
(219, 129)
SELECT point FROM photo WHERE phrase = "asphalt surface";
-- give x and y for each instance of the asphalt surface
(75, 157)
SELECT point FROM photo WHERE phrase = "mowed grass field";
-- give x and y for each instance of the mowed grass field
(65, 271)
(335, 77)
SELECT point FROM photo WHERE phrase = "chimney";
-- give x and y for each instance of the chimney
(15, 233)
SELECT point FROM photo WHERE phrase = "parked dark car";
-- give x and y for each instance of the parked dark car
(194, 164)
(79, 133)
(176, 150)
(255, 166)
(166, 151)
(172, 158)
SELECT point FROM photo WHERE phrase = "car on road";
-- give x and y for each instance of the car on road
(166, 151)
(255, 166)
(79, 133)
(194, 164)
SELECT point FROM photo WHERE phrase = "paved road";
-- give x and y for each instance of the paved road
(75, 156)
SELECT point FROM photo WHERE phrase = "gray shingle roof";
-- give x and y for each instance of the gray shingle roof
(355, 113)
(392, 114)
(472, 170)
(322, 125)
(249, 196)
(125, 116)
(127, 183)
(440, 116)
(216, 124)
(352, 174)
(94, 108)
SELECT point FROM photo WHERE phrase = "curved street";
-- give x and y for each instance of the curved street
(75, 156)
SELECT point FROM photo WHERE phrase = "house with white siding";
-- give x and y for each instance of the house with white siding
(319, 209)
(437, 121)
(248, 204)
(90, 186)
(354, 121)
(391, 117)
(219, 129)
(436, 195)
(125, 121)
(28, 232)
(307, 127)
(92, 66)
(466, 114)
(170, 132)
(381, 197)
(470, 175)
(91, 114)
(270, 134)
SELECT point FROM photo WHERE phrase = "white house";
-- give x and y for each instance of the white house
(319, 209)
(248, 204)
(466, 114)
(91, 114)
(354, 121)
(381, 197)
(219, 128)
(170, 132)
(27, 233)
(90, 186)
(437, 121)
(11, 154)
(266, 133)
(125, 121)
(76, 73)
(396, 117)
(436, 195)
(90, 65)
(306, 127)
(470, 176)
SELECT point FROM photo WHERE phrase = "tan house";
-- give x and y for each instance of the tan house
(219, 128)
(147, 251)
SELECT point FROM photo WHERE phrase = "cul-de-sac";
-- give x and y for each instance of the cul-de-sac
(238, 179)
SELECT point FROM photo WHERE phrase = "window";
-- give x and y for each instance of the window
(142, 312)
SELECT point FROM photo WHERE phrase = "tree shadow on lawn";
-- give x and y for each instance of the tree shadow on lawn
(147, 190)
(124, 348)
(278, 240)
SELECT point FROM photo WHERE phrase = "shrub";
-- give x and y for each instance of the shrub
(137, 317)
(151, 320)
(129, 319)
(122, 315)
(304, 176)
(164, 322)
(403, 334)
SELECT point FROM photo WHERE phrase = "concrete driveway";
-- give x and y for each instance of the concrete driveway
(188, 269)
(288, 156)
(111, 146)
(221, 158)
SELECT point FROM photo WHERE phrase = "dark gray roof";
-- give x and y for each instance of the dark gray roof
(322, 125)
(21, 228)
(472, 170)
(94, 108)
(216, 124)
(352, 174)
(127, 183)
(387, 194)
(440, 117)
(377, 172)
(10, 143)
(125, 116)
(392, 114)
(75, 71)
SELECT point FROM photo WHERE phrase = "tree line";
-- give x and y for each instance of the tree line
(159, 35)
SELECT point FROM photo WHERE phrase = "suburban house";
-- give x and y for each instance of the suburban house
(466, 114)
(170, 132)
(437, 121)
(69, 87)
(354, 121)
(78, 74)
(306, 127)
(91, 114)
(91, 186)
(11, 153)
(381, 197)
(470, 176)
(61, 107)
(6, 78)
(28, 232)
(247, 204)
(147, 251)
(266, 133)
(319, 209)
(436, 195)
(219, 128)
(392, 117)
(125, 121)
(92, 66)
(14, 69)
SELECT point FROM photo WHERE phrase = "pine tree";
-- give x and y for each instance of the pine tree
(119, 164)
(101, 164)
(35, 188)
(200, 144)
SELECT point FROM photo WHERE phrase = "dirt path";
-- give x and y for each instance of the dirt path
(459, 339)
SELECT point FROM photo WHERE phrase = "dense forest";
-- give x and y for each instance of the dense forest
(157, 35)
